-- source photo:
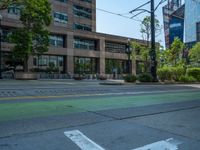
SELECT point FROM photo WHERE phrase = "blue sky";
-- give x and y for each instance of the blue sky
(111, 24)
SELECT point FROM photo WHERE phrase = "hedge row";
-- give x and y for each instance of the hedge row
(144, 77)
(179, 74)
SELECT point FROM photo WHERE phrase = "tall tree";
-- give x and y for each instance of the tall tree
(176, 52)
(33, 37)
(146, 28)
(194, 55)
(174, 55)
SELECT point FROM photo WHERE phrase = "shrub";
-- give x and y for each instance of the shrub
(164, 73)
(194, 72)
(145, 77)
(130, 78)
(171, 73)
(101, 77)
(177, 72)
(78, 77)
(187, 79)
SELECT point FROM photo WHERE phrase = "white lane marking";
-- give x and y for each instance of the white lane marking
(82, 141)
(85, 143)
(193, 85)
(169, 144)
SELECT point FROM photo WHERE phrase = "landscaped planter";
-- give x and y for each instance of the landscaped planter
(78, 77)
(25, 76)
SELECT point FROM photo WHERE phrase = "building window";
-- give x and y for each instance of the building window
(43, 62)
(115, 47)
(15, 10)
(83, 12)
(198, 31)
(57, 40)
(60, 61)
(60, 17)
(86, 44)
(5, 35)
(84, 65)
(63, 1)
(88, 1)
(120, 66)
(82, 27)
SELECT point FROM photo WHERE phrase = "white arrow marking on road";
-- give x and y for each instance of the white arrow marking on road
(82, 141)
(86, 144)
(169, 144)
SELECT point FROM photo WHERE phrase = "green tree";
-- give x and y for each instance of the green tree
(175, 52)
(194, 55)
(174, 55)
(146, 28)
(141, 53)
(33, 37)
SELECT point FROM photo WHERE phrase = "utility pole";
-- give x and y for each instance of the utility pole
(152, 51)
(153, 44)
(0, 47)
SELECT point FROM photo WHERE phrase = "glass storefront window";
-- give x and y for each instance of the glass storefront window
(53, 60)
(60, 61)
(114, 64)
(45, 61)
(84, 65)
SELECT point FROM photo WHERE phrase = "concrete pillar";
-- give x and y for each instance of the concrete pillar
(102, 62)
(30, 63)
(70, 53)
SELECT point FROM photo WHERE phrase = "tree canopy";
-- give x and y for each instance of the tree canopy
(194, 55)
(146, 28)
(33, 37)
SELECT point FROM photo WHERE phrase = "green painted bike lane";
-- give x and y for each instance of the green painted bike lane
(26, 110)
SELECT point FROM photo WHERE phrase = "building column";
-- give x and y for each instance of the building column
(133, 67)
(102, 56)
(70, 53)
(30, 63)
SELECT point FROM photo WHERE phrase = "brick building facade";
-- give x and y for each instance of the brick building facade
(75, 46)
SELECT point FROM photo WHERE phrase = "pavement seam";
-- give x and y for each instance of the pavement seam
(43, 131)
(162, 130)
(161, 112)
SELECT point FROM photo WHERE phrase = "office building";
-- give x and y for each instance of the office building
(168, 10)
(176, 25)
(75, 46)
(192, 22)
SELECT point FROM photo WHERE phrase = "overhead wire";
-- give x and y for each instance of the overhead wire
(123, 15)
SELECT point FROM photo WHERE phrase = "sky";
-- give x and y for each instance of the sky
(113, 24)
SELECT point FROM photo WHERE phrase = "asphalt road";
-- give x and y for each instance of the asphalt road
(35, 114)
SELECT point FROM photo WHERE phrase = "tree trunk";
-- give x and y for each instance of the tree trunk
(26, 65)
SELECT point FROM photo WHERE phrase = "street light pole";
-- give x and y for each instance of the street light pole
(128, 51)
(153, 43)
(0, 48)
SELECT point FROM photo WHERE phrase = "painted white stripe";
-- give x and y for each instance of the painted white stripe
(82, 141)
(169, 144)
